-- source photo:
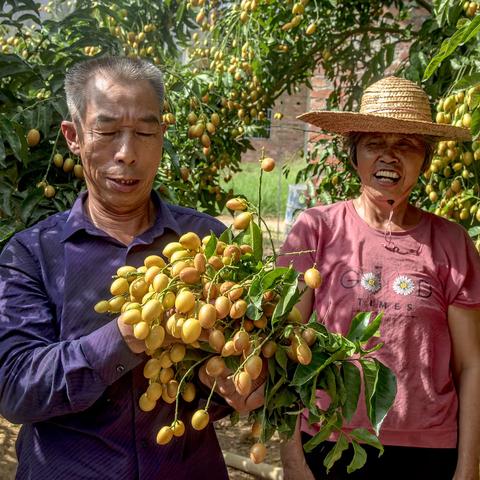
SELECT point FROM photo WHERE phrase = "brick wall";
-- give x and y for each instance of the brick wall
(287, 136)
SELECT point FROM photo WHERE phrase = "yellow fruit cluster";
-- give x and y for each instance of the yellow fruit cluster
(191, 307)
(454, 168)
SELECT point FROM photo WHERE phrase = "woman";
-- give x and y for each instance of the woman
(378, 253)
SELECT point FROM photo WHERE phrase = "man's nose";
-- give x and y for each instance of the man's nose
(126, 152)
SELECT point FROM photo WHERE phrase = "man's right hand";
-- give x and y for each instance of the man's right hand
(134, 344)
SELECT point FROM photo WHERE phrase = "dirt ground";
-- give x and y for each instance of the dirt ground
(235, 439)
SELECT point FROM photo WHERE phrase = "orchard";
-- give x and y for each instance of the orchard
(225, 64)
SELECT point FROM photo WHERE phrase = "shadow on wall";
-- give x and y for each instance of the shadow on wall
(8, 459)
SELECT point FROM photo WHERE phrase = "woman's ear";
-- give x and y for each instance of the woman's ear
(69, 131)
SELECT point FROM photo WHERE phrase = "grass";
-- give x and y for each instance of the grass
(274, 186)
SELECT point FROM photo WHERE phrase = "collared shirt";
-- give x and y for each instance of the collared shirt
(66, 373)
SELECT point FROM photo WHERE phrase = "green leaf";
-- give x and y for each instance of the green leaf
(359, 457)
(29, 204)
(467, 81)
(380, 390)
(226, 236)
(372, 329)
(211, 245)
(364, 436)
(468, 31)
(289, 295)
(281, 357)
(475, 125)
(322, 435)
(256, 241)
(352, 381)
(13, 133)
(2, 154)
(304, 373)
(474, 231)
(358, 325)
(336, 452)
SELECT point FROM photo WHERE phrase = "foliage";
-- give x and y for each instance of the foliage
(220, 80)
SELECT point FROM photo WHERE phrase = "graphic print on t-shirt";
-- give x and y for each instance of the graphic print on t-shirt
(395, 291)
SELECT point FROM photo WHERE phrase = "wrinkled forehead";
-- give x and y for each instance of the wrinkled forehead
(107, 94)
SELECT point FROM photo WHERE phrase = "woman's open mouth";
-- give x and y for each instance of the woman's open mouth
(388, 177)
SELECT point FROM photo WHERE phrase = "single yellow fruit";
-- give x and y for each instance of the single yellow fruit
(68, 164)
(119, 286)
(152, 368)
(189, 392)
(200, 419)
(154, 260)
(33, 137)
(258, 452)
(312, 278)
(178, 428)
(146, 404)
(185, 301)
(141, 330)
(236, 204)
(102, 306)
(242, 221)
(191, 330)
(177, 352)
(49, 191)
(131, 317)
(58, 160)
(268, 164)
(190, 241)
(164, 435)
(155, 337)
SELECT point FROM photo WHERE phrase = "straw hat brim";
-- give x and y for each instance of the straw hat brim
(348, 122)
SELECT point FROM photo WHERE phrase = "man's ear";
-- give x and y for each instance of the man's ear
(69, 131)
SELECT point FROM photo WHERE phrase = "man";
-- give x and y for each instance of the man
(73, 377)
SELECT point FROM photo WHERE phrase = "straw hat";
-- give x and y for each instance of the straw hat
(391, 105)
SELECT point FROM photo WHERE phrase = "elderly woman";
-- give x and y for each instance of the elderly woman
(378, 252)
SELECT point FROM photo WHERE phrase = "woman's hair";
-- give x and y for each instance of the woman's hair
(351, 140)
(123, 69)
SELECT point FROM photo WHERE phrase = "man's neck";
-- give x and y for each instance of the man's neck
(124, 226)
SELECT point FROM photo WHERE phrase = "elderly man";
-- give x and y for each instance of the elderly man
(73, 377)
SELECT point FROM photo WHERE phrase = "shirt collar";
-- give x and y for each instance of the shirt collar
(77, 220)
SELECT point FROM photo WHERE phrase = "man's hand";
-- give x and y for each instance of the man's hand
(134, 344)
(226, 388)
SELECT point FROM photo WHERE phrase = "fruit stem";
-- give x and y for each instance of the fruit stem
(210, 396)
(182, 380)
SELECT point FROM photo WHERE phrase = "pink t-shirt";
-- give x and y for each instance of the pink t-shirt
(413, 281)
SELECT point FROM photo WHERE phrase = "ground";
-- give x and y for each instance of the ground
(235, 439)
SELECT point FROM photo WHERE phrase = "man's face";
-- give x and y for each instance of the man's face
(120, 142)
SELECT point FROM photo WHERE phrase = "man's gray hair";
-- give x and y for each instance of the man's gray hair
(124, 69)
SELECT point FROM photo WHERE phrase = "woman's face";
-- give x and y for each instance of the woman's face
(389, 164)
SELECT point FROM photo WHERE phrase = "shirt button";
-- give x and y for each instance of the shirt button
(120, 368)
(144, 443)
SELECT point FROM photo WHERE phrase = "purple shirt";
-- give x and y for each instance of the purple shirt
(66, 373)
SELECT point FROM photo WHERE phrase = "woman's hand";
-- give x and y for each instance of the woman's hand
(293, 459)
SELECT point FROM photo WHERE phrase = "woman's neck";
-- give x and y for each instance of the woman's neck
(123, 226)
(380, 215)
